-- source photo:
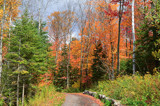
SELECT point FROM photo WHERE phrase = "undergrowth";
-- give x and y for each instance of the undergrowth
(46, 96)
(137, 90)
(72, 90)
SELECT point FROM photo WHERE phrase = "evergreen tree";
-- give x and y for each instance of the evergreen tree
(27, 58)
(97, 67)
(148, 35)
(60, 80)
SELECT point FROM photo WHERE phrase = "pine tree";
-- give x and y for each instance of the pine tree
(97, 67)
(28, 58)
(62, 71)
(148, 35)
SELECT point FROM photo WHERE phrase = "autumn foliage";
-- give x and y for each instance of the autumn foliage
(99, 22)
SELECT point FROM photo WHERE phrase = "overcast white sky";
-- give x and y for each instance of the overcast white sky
(47, 6)
(50, 6)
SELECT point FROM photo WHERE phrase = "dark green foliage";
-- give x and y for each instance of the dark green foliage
(60, 76)
(72, 90)
(156, 53)
(123, 67)
(97, 67)
(147, 36)
(27, 57)
(144, 58)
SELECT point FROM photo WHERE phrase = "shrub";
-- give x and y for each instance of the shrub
(46, 95)
(71, 90)
(135, 90)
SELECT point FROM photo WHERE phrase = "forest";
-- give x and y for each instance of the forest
(107, 46)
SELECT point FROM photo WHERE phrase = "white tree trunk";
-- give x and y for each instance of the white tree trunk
(18, 77)
(23, 94)
(133, 34)
(1, 46)
(18, 90)
(68, 64)
(39, 17)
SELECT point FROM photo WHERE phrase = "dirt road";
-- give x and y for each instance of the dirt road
(81, 100)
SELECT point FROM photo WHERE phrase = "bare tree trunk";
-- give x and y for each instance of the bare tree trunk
(87, 63)
(23, 94)
(68, 84)
(110, 73)
(18, 90)
(10, 21)
(130, 46)
(39, 18)
(133, 33)
(88, 48)
(112, 65)
(1, 41)
(81, 67)
(126, 44)
(119, 33)
(18, 74)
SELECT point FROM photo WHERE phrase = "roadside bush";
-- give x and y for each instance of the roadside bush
(130, 90)
(71, 90)
(46, 95)
(125, 68)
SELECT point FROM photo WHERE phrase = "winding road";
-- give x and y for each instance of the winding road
(79, 99)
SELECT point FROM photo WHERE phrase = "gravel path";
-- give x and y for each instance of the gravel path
(79, 100)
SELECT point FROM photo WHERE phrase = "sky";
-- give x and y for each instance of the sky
(50, 6)
(60, 5)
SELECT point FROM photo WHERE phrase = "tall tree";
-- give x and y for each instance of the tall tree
(119, 33)
(27, 56)
(98, 67)
(60, 28)
(133, 34)
(1, 40)
(82, 23)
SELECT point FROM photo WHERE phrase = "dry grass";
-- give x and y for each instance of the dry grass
(47, 96)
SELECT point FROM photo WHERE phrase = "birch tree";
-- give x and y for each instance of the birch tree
(133, 34)
(1, 40)
(81, 25)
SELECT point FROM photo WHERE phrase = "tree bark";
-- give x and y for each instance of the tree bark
(18, 73)
(130, 47)
(1, 41)
(133, 34)
(126, 44)
(23, 94)
(110, 73)
(39, 18)
(18, 89)
(10, 21)
(88, 48)
(119, 34)
(68, 84)
(81, 67)
(112, 64)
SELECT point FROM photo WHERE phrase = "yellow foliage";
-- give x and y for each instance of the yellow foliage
(76, 84)
(137, 88)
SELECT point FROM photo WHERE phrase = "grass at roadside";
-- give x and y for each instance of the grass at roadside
(47, 96)
(130, 90)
